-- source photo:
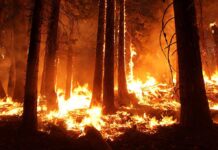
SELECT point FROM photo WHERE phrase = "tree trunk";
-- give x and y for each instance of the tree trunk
(20, 28)
(29, 123)
(108, 92)
(2, 91)
(195, 113)
(98, 75)
(11, 80)
(69, 72)
(49, 71)
(122, 85)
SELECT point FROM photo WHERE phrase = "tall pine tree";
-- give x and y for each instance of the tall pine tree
(98, 74)
(49, 72)
(108, 91)
(29, 122)
(195, 111)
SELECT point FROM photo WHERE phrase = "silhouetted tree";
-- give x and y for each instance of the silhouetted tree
(29, 122)
(2, 91)
(195, 112)
(20, 47)
(122, 85)
(108, 91)
(98, 74)
(11, 80)
(49, 72)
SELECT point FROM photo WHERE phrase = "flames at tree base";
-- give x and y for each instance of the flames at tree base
(157, 106)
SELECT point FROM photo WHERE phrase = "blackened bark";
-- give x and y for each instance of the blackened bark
(98, 75)
(29, 122)
(195, 112)
(50, 57)
(122, 85)
(108, 91)
(2, 91)
(69, 72)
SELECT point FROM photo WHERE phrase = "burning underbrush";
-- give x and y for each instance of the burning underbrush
(157, 106)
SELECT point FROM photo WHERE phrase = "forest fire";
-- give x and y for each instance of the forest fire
(108, 74)
(74, 114)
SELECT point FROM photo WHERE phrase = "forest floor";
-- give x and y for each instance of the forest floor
(173, 137)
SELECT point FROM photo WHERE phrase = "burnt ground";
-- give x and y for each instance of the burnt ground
(173, 137)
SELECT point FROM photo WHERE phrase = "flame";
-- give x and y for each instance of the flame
(75, 114)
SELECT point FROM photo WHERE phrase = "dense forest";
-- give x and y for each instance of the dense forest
(108, 74)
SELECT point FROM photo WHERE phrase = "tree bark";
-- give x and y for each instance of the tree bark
(108, 92)
(122, 85)
(98, 74)
(29, 122)
(49, 72)
(195, 111)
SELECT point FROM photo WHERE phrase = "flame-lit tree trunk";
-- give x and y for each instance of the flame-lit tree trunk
(122, 85)
(69, 67)
(98, 74)
(49, 72)
(11, 80)
(29, 122)
(108, 91)
(195, 112)
(69, 72)
(2, 91)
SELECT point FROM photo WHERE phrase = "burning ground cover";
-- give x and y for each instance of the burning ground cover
(154, 104)
(157, 106)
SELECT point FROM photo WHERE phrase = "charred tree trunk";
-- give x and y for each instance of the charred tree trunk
(69, 72)
(195, 113)
(98, 75)
(122, 85)
(2, 91)
(108, 92)
(50, 57)
(29, 122)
